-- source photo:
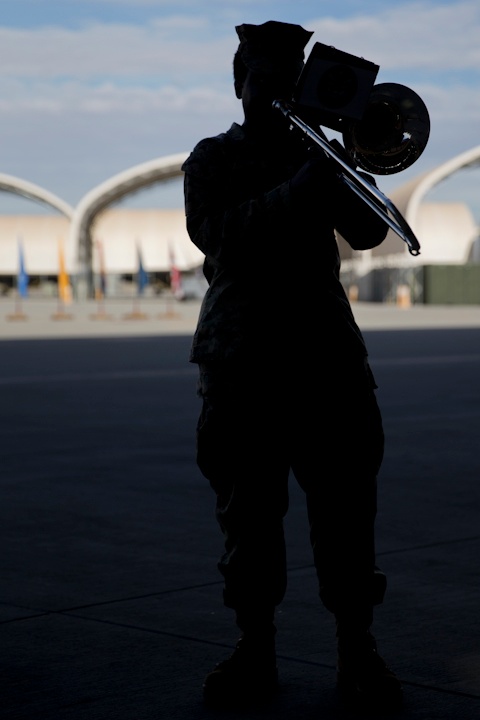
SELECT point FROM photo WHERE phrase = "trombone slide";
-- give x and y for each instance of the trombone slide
(374, 198)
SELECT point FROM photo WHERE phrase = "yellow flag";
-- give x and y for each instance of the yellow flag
(64, 288)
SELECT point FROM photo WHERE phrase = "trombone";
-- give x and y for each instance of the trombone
(390, 136)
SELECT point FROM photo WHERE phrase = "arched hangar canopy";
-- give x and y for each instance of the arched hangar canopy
(113, 189)
(450, 226)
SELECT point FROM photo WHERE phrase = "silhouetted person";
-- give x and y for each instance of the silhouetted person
(283, 375)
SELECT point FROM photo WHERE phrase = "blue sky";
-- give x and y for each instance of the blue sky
(91, 88)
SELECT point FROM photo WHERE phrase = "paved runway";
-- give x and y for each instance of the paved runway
(110, 607)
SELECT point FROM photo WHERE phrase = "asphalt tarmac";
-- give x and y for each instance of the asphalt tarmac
(111, 603)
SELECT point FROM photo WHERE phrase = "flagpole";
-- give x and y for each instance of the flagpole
(100, 288)
(21, 289)
(175, 286)
(142, 282)
(63, 287)
(18, 311)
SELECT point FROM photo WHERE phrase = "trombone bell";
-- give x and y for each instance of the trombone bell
(392, 132)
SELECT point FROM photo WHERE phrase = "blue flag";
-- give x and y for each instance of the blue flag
(142, 276)
(22, 277)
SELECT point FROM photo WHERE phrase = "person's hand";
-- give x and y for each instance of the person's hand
(316, 179)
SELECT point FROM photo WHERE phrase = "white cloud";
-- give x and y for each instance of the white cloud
(106, 96)
(420, 35)
(416, 35)
(163, 48)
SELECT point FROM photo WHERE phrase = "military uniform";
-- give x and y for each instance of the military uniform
(284, 375)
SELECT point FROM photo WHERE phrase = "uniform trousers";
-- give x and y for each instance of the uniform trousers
(259, 425)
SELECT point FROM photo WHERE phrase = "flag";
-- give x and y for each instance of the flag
(175, 277)
(64, 289)
(22, 277)
(142, 276)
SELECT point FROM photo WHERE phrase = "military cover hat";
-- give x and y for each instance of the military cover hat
(273, 46)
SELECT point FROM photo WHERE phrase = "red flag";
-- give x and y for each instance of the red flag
(175, 277)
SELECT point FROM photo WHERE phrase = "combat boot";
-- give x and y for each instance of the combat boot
(363, 677)
(248, 677)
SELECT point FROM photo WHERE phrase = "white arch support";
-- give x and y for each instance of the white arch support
(428, 180)
(16, 185)
(116, 187)
(408, 199)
